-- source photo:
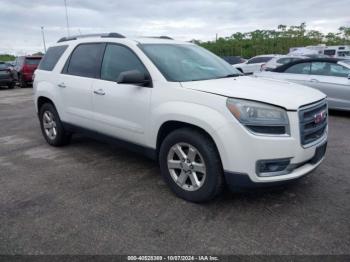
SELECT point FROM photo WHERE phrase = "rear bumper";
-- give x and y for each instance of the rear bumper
(28, 77)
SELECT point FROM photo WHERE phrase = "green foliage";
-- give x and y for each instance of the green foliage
(274, 41)
(7, 57)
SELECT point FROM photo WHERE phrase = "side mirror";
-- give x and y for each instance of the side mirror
(133, 77)
(349, 76)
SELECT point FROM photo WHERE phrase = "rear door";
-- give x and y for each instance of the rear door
(332, 79)
(75, 83)
(121, 110)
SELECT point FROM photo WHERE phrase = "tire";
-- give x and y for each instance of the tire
(22, 83)
(11, 86)
(211, 181)
(59, 137)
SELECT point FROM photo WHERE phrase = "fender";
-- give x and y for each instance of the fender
(198, 115)
(48, 90)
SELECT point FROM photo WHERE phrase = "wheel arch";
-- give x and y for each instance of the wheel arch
(171, 125)
(41, 100)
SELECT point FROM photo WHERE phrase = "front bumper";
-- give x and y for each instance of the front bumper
(241, 151)
(237, 181)
(6, 81)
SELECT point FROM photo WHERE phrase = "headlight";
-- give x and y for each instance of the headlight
(259, 117)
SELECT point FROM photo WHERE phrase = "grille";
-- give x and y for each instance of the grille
(313, 122)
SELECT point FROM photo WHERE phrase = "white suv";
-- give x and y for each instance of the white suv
(204, 122)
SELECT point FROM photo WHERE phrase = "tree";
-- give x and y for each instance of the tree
(248, 44)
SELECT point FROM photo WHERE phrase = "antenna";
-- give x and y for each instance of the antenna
(65, 5)
(43, 35)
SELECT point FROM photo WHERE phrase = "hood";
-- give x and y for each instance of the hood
(276, 92)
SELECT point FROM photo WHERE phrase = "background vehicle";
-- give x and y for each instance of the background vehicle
(6, 75)
(181, 105)
(280, 60)
(232, 60)
(337, 51)
(329, 75)
(253, 64)
(24, 69)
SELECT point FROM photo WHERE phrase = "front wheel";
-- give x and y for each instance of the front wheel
(191, 165)
(51, 126)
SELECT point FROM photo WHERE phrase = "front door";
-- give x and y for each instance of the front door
(121, 110)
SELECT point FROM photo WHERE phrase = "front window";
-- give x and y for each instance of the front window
(186, 62)
(329, 69)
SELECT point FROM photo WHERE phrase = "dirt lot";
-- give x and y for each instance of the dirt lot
(92, 198)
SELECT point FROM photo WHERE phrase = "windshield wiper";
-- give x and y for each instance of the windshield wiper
(229, 75)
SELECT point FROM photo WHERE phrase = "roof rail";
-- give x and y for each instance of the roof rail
(75, 37)
(165, 37)
(159, 37)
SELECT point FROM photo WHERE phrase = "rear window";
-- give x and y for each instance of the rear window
(329, 52)
(32, 61)
(51, 57)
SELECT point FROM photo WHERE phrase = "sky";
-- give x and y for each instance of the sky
(21, 20)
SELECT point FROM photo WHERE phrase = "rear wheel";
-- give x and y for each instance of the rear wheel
(191, 166)
(22, 82)
(11, 86)
(51, 126)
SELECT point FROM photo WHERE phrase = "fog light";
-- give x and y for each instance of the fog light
(273, 167)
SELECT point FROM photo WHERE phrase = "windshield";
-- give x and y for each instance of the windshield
(32, 61)
(186, 62)
(3, 66)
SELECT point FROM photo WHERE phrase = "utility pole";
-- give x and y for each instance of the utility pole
(65, 6)
(43, 35)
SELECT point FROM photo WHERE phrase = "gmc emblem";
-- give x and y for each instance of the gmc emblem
(319, 117)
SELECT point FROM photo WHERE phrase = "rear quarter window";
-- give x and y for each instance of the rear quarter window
(261, 59)
(51, 57)
(32, 61)
(301, 68)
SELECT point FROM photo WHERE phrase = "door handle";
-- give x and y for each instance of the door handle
(314, 80)
(61, 85)
(99, 92)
